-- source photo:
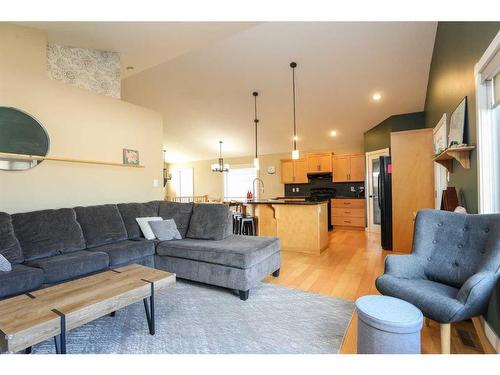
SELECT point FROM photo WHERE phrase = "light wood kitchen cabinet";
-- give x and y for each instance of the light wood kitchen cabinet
(348, 213)
(300, 171)
(347, 168)
(319, 162)
(357, 168)
(294, 171)
(287, 171)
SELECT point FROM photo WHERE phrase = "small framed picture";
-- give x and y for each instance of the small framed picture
(130, 156)
(457, 124)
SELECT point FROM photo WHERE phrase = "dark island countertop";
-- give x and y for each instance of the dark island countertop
(283, 201)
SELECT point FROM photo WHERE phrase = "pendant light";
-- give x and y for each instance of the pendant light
(256, 121)
(220, 166)
(295, 152)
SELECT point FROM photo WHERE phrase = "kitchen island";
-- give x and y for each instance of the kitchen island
(301, 226)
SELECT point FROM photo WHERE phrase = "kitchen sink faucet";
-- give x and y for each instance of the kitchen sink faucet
(253, 186)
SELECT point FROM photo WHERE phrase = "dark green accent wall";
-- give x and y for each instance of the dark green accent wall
(379, 137)
(457, 49)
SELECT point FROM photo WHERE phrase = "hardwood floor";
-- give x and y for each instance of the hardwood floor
(348, 269)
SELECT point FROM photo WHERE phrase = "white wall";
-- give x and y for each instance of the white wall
(81, 124)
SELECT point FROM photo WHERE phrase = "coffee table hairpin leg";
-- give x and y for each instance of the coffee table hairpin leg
(60, 340)
(150, 310)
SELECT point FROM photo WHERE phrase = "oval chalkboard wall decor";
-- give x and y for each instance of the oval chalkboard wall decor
(20, 133)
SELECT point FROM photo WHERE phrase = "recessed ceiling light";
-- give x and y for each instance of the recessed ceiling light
(333, 133)
(129, 68)
(376, 96)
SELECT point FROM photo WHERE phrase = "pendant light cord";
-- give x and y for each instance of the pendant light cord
(293, 65)
(256, 120)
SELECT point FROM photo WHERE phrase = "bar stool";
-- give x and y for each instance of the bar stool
(247, 226)
(236, 222)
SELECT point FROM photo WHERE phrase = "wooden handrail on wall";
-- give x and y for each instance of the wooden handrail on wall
(10, 156)
(195, 199)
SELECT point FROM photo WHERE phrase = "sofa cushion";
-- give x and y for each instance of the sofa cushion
(20, 280)
(210, 222)
(69, 266)
(9, 245)
(127, 251)
(101, 224)
(180, 212)
(131, 211)
(48, 232)
(437, 301)
(456, 245)
(234, 251)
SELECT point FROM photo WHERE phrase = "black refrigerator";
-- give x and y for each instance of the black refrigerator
(385, 201)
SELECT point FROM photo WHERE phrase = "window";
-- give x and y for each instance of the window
(487, 73)
(182, 182)
(238, 181)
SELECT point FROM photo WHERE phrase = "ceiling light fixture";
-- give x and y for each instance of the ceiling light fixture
(376, 96)
(333, 133)
(295, 152)
(256, 121)
(220, 166)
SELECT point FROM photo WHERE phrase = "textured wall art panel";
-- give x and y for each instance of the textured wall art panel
(97, 71)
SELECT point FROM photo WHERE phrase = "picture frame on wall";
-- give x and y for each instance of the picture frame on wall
(130, 156)
(457, 124)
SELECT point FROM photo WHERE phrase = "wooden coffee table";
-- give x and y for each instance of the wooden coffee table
(31, 318)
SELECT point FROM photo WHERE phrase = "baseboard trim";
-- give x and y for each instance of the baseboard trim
(491, 335)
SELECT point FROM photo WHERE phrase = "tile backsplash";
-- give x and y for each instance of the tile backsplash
(345, 189)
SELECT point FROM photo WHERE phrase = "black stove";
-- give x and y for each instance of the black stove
(322, 194)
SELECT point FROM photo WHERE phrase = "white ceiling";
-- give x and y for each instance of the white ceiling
(140, 44)
(201, 76)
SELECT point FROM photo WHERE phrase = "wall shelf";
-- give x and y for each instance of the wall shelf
(460, 154)
(10, 156)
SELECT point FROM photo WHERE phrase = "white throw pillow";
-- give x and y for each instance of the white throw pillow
(145, 227)
(5, 265)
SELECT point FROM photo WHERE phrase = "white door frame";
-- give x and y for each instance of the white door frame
(369, 188)
(441, 175)
(487, 67)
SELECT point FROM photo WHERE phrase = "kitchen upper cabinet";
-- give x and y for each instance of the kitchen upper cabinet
(300, 171)
(341, 168)
(294, 171)
(347, 168)
(287, 172)
(319, 162)
(357, 168)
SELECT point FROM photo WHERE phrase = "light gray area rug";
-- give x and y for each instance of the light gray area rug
(196, 318)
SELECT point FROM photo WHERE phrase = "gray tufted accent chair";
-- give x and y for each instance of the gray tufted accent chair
(452, 270)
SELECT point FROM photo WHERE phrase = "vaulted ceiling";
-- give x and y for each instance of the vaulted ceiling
(200, 76)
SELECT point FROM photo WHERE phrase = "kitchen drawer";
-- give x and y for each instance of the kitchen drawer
(348, 212)
(350, 203)
(349, 221)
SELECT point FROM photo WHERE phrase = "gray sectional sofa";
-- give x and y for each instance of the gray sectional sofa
(52, 246)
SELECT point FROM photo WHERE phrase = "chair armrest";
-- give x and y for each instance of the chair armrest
(477, 290)
(404, 266)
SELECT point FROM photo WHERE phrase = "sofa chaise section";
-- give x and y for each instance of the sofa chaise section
(236, 262)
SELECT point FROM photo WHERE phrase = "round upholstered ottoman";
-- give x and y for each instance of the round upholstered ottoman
(388, 325)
